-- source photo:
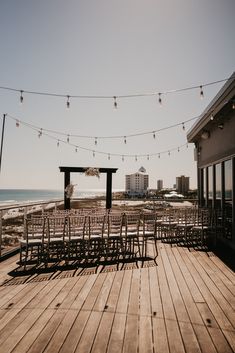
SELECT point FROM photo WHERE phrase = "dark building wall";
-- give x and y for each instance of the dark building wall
(220, 144)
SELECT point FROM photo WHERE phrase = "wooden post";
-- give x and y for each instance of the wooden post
(109, 190)
(66, 183)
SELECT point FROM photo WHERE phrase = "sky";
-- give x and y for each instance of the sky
(108, 48)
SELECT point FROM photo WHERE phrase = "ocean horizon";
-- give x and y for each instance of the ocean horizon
(11, 196)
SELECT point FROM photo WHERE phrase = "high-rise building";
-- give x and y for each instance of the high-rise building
(137, 183)
(182, 184)
(160, 184)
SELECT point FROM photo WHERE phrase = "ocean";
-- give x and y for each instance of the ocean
(11, 196)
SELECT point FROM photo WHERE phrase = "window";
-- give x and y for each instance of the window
(210, 182)
(218, 185)
(228, 198)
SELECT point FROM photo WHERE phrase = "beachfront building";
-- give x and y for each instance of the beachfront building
(182, 184)
(137, 183)
(214, 139)
(160, 184)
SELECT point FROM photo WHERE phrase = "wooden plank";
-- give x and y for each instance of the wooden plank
(7, 315)
(89, 333)
(219, 315)
(26, 342)
(12, 340)
(47, 333)
(230, 335)
(63, 293)
(194, 289)
(74, 293)
(190, 340)
(228, 293)
(225, 269)
(145, 335)
(145, 303)
(103, 333)
(207, 316)
(191, 307)
(174, 337)
(155, 297)
(133, 307)
(94, 292)
(124, 294)
(114, 292)
(212, 266)
(178, 302)
(160, 336)
(223, 303)
(84, 292)
(102, 297)
(204, 339)
(61, 333)
(117, 334)
(13, 324)
(51, 295)
(168, 307)
(15, 292)
(219, 340)
(130, 343)
(72, 339)
(25, 296)
(42, 294)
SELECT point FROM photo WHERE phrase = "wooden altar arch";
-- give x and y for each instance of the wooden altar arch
(109, 172)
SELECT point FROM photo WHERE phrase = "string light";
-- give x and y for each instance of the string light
(178, 149)
(125, 139)
(212, 117)
(42, 130)
(68, 102)
(109, 157)
(183, 126)
(21, 97)
(40, 133)
(154, 134)
(123, 158)
(169, 153)
(53, 94)
(95, 140)
(17, 123)
(148, 157)
(115, 102)
(201, 92)
(233, 106)
(76, 149)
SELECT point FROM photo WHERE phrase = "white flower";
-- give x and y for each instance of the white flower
(69, 190)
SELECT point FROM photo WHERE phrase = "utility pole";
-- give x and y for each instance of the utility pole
(3, 129)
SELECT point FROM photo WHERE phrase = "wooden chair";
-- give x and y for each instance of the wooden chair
(131, 235)
(31, 248)
(112, 237)
(54, 245)
(75, 244)
(149, 231)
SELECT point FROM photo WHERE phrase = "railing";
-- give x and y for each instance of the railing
(13, 219)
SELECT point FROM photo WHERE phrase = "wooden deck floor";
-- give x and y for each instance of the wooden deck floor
(184, 304)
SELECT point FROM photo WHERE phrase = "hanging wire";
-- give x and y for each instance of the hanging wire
(146, 94)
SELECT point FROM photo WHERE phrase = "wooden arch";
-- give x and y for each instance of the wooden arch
(109, 172)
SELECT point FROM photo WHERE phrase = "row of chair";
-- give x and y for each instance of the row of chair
(70, 237)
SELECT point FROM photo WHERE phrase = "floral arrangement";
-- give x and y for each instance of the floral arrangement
(92, 172)
(69, 190)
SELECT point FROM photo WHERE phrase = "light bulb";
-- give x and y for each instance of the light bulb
(21, 97)
(160, 98)
(201, 92)
(68, 102)
(115, 102)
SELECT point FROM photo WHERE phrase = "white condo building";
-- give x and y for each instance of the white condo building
(137, 183)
